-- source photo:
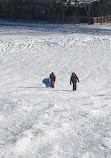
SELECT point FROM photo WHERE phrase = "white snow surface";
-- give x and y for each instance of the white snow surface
(40, 122)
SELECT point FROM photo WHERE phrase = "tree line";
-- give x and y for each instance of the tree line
(51, 10)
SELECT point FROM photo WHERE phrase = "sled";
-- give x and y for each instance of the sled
(46, 82)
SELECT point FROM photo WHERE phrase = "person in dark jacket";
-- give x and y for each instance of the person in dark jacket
(73, 80)
(52, 79)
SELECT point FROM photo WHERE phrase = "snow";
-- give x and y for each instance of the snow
(38, 122)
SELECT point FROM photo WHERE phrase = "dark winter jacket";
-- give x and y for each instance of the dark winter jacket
(74, 78)
(52, 77)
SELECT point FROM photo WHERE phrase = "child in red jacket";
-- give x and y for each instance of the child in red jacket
(52, 79)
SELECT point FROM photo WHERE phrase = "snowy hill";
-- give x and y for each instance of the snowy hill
(39, 122)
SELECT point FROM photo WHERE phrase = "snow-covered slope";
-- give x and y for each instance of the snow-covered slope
(36, 122)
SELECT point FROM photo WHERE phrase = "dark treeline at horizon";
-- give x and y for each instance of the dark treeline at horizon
(52, 10)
